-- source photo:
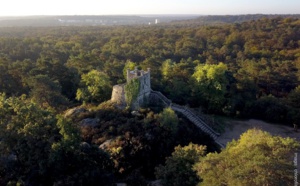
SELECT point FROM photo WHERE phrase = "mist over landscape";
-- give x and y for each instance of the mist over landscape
(109, 20)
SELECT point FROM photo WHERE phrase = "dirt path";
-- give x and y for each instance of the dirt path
(236, 128)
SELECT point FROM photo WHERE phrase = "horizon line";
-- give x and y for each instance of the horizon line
(180, 14)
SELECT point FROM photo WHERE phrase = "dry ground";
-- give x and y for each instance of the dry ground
(236, 127)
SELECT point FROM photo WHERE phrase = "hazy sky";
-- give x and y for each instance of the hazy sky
(134, 7)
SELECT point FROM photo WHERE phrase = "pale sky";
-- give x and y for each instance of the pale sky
(137, 7)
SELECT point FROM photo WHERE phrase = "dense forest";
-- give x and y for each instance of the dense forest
(246, 70)
(253, 64)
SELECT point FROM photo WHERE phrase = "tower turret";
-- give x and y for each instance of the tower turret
(143, 77)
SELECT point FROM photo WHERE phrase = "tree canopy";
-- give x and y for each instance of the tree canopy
(212, 85)
(95, 87)
(261, 59)
(178, 169)
(245, 69)
(257, 158)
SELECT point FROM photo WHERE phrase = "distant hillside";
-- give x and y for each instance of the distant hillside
(44, 21)
(219, 19)
(38, 21)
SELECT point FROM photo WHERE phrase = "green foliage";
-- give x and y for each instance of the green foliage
(47, 93)
(293, 98)
(128, 65)
(26, 133)
(38, 148)
(260, 58)
(75, 162)
(138, 143)
(178, 169)
(267, 108)
(168, 120)
(132, 90)
(166, 68)
(257, 158)
(69, 133)
(211, 83)
(176, 79)
(95, 87)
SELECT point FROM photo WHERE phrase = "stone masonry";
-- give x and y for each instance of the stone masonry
(118, 93)
(118, 96)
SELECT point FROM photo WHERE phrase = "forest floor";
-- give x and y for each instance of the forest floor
(235, 128)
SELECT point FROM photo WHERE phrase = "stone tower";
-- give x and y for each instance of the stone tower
(118, 93)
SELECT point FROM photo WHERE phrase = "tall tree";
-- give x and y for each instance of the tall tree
(169, 120)
(46, 92)
(74, 162)
(178, 169)
(95, 87)
(27, 133)
(257, 158)
(211, 85)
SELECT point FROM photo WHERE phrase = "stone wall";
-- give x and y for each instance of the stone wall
(145, 90)
(118, 93)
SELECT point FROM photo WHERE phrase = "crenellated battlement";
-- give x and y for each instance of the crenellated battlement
(137, 74)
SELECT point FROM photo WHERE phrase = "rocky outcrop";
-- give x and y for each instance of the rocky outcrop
(105, 144)
(89, 122)
(74, 112)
